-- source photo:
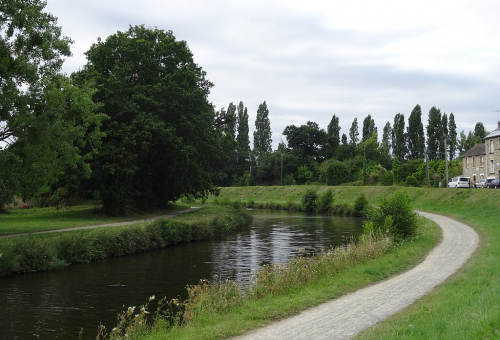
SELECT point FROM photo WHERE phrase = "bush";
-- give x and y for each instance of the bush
(309, 201)
(324, 202)
(395, 217)
(361, 205)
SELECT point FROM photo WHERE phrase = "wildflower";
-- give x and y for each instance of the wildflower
(151, 298)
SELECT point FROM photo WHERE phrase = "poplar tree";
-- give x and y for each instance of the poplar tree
(399, 137)
(434, 133)
(353, 133)
(369, 127)
(333, 132)
(452, 137)
(262, 135)
(243, 138)
(444, 136)
(386, 137)
(415, 134)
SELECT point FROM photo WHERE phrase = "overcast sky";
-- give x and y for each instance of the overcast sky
(312, 59)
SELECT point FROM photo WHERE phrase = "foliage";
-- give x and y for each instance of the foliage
(333, 172)
(324, 202)
(361, 205)
(395, 217)
(304, 175)
(309, 200)
(307, 141)
(262, 135)
(157, 101)
(434, 133)
(399, 137)
(415, 135)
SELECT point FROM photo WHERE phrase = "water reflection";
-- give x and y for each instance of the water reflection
(58, 305)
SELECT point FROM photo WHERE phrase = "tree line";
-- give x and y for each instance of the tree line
(134, 126)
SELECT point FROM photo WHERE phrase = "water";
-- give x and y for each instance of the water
(60, 305)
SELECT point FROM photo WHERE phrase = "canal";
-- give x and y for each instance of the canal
(74, 301)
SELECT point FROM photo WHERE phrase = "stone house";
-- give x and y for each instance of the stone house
(483, 160)
(492, 150)
(474, 163)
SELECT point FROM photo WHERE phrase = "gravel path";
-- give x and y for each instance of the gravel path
(116, 224)
(345, 317)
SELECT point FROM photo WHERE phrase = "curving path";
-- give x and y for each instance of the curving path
(345, 317)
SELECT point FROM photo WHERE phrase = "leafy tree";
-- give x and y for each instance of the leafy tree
(333, 133)
(354, 133)
(399, 137)
(334, 172)
(369, 127)
(160, 140)
(47, 123)
(452, 137)
(307, 141)
(262, 135)
(31, 48)
(304, 175)
(415, 134)
(434, 133)
(345, 149)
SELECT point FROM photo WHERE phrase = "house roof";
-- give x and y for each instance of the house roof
(476, 150)
(494, 133)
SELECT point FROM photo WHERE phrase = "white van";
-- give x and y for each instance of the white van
(459, 182)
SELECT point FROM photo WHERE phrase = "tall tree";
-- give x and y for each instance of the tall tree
(434, 133)
(160, 142)
(415, 133)
(46, 121)
(386, 137)
(262, 135)
(333, 132)
(354, 133)
(444, 133)
(243, 138)
(399, 137)
(452, 137)
(369, 127)
(479, 132)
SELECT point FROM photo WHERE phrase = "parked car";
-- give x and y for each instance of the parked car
(459, 182)
(482, 183)
(494, 184)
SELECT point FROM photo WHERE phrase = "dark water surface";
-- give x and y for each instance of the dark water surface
(59, 305)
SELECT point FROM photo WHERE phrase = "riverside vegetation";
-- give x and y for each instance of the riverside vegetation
(57, 250)
(217, 310)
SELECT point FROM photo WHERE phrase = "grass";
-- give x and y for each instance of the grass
(466, 306)
(18, 221)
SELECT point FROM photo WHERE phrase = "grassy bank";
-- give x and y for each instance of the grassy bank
(18, 221)
(52, 251)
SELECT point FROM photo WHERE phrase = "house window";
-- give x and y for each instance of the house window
(467, 162)
(473, 161)
(491, 146)
(481, 161)
(492, 169)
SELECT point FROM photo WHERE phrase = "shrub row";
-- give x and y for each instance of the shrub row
(311, 202)
(41, 253)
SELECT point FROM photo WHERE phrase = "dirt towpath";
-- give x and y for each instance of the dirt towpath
(345, 317)
(116, 224)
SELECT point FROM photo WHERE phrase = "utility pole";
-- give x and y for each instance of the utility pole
(427, 169)
(446, 160)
